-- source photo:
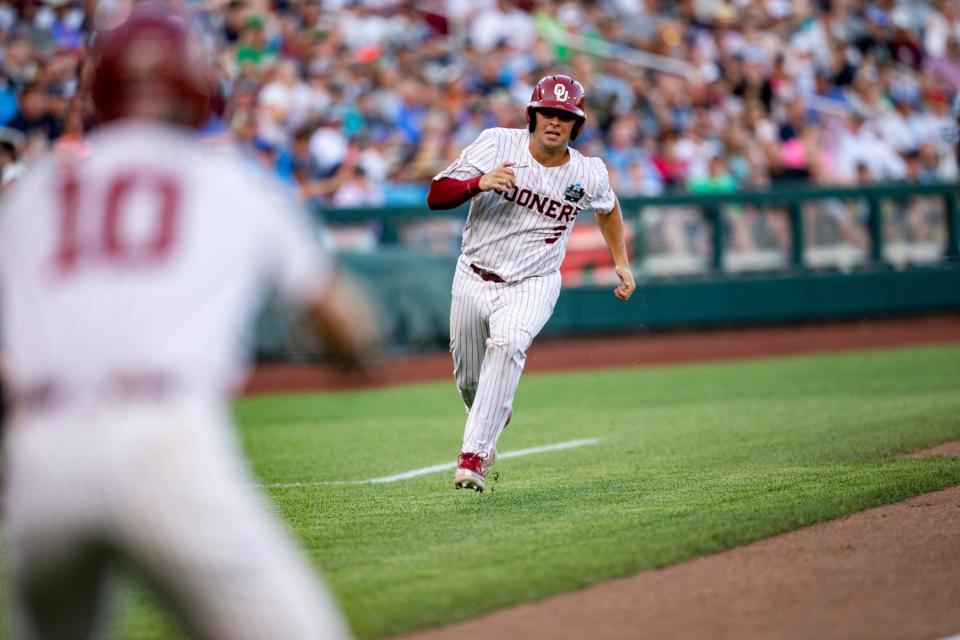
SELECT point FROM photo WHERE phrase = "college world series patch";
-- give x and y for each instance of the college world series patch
(573, 193)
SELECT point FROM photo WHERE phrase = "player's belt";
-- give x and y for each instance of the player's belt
(489, 276)
(49, 395)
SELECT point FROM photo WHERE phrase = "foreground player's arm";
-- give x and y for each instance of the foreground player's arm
(611, 226)
(306, 276)
(450, 193)
(343, 318)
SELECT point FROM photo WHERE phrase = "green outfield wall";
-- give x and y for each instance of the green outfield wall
(726, 301)
(412, 288)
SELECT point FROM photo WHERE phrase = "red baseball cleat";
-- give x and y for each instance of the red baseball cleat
(469, 473)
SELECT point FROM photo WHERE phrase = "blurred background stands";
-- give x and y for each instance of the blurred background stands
(360, 103)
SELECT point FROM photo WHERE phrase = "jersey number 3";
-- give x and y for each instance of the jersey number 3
(104, 234)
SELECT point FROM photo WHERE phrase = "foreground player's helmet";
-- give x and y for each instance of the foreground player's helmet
(153, 58)
(558, 92)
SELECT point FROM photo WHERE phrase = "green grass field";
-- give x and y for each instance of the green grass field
(691, 460)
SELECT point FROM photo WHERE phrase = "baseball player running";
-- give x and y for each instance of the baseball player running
(128, 278)
(527, 188)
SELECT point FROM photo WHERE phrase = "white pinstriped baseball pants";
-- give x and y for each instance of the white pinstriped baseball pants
(164, 490)
(491, 327)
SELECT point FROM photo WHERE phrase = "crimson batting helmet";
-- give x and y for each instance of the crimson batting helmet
(152, 65)
(558, 92)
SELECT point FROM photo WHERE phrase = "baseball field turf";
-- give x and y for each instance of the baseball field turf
(687, 460)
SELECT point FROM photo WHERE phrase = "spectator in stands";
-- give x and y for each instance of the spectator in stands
(11, 143)
(942, 24)
(826, 88)
(899, 127)
(64, 23)
(936, 123)
(945, 68)
(356, 190)
(717, 179)
(631, 171)
(924, 215)
(8, 100)
(33, 115)
(933, 166)
(328, 143)
(252, 50)
(861, 149)
(672, 168)
(283, 105)
(20, 64)
(295, 163)
(411, 110)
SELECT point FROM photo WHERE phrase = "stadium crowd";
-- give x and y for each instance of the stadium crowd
(361, 102)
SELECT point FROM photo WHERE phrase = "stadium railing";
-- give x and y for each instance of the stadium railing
(717, 209)
(791, 254)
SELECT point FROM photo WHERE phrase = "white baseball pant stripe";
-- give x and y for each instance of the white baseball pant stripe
(491, 327)
(164, 491)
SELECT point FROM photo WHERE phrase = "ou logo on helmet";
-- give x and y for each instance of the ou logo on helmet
(560, 92)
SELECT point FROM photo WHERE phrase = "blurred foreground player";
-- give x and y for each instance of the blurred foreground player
(127, 280)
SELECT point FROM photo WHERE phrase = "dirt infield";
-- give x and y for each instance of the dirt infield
(551, 354)
(889, 572)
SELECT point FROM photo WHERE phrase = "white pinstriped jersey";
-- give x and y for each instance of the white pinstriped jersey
(523, 233)
(150, 254)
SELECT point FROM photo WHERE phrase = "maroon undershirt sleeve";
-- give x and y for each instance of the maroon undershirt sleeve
(449, 193)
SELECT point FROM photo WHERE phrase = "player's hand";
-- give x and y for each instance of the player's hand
(500, 179)
(347, 323)
(627, 285)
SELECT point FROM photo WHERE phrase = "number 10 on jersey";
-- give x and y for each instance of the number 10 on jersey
(96, 226)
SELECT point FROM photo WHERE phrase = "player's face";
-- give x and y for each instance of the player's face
(553, 128)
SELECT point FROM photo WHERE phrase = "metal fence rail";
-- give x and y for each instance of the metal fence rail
(711, 207)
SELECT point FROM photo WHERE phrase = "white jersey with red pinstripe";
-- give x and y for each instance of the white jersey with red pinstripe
(150, 254)
(127, 280)
(524, 232)
(517, 241)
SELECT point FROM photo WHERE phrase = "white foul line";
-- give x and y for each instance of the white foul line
(570, 444)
